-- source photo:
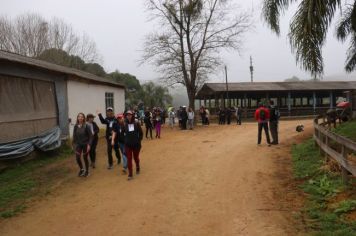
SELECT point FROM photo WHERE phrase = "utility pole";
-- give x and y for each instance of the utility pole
(251, 69)
(227, 88)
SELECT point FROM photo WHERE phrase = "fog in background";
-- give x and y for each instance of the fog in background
(119, 26)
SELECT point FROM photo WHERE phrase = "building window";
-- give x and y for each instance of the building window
(109, 100)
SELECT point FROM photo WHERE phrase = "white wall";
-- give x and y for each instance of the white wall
(87, 98)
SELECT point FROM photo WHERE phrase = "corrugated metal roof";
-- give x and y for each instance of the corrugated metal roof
(12, 57)
(284, 86)
(209, 89)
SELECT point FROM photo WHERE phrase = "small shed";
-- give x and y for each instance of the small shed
(37, 96)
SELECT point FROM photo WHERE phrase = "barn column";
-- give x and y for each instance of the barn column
(244, 104)
(209, 104)
(331, 100)
(314, 102)
(289, 103)
(199, 103)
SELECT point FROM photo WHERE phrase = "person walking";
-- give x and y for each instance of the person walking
(119, 136)
(157, 116)
(184, 116)
(95, 131)
(238, 115)
(110, 121)
(262, 116)
(190, 118)
(202, 112)
(273, 122)
(171, 117)
(207, 116)
(82, 139)
(148, 123)
(228, 112)
(133, 138)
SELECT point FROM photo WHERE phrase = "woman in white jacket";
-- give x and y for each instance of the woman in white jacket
(190, 118)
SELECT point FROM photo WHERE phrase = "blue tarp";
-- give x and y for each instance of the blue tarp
(49, 140)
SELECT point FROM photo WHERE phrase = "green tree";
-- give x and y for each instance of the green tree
(95, 69)
(153, 95)
(308, 30)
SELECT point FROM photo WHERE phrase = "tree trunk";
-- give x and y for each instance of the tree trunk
(191, 97)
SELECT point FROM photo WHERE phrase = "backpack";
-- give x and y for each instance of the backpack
(262, 114)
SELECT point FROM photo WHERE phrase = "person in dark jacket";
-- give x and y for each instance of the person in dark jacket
(228, 112)
(184, 116)
(221, 116)
(94, 130)
(110, 121)
(119, 136)
(133, 138)
(157, 119)
(273, 122)
(148, 122)
(262, 116)
(82, 139)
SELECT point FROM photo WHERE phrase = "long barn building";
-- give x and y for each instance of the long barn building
(293, 98)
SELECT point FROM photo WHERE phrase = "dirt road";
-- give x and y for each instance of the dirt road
(211, 181)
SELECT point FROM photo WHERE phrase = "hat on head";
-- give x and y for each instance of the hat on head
(109, 109)
(129, 112)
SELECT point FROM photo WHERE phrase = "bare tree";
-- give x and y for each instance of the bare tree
(31, 34)
(191, 35)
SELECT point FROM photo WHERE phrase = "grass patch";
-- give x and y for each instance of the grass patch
(326, 216)
(347, 129)
(21, 182)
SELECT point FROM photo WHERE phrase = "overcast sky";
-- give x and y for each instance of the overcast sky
(119, 26)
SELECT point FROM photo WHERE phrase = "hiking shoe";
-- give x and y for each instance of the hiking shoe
(109, 167)
(124, 171)
(129, 178)
(86, 174)
(81, 173)
(92, 165)
(137, 172)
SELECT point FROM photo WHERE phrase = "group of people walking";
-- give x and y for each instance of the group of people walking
(225, 115)
(123, 135)
(265, 115)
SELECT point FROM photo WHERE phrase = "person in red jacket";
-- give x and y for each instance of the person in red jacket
(262, 116)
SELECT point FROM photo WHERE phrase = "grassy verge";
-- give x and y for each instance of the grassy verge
(21, 183)
(347, 129)
(330, 206)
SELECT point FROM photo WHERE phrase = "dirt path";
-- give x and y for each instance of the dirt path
(211, 181)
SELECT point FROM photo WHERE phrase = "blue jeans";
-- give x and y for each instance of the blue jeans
(124, 158)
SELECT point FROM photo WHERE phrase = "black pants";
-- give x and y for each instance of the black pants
(148, 128)
(184, 124)
(273, 126)
(228, 119)
(79, 150)
(265, 127)
(92, 152)
(109, 150)
(238, 119)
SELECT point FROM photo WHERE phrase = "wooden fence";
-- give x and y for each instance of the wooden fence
(339, 148)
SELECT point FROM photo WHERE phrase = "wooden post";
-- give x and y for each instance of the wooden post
(331, 100)
(314, 102)
(327, 144)
(344, 172)
(289, 103)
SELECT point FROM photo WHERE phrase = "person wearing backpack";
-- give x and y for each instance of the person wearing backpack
(110, 121)
(273, 122)
(262, 116)
(82, 139)
(133, 138)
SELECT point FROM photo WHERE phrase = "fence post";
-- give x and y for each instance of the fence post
(327, 144)
(344, 172)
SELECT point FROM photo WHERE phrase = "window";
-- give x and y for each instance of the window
(109, 100)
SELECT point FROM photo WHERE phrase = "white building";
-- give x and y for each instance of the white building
(37, 96)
